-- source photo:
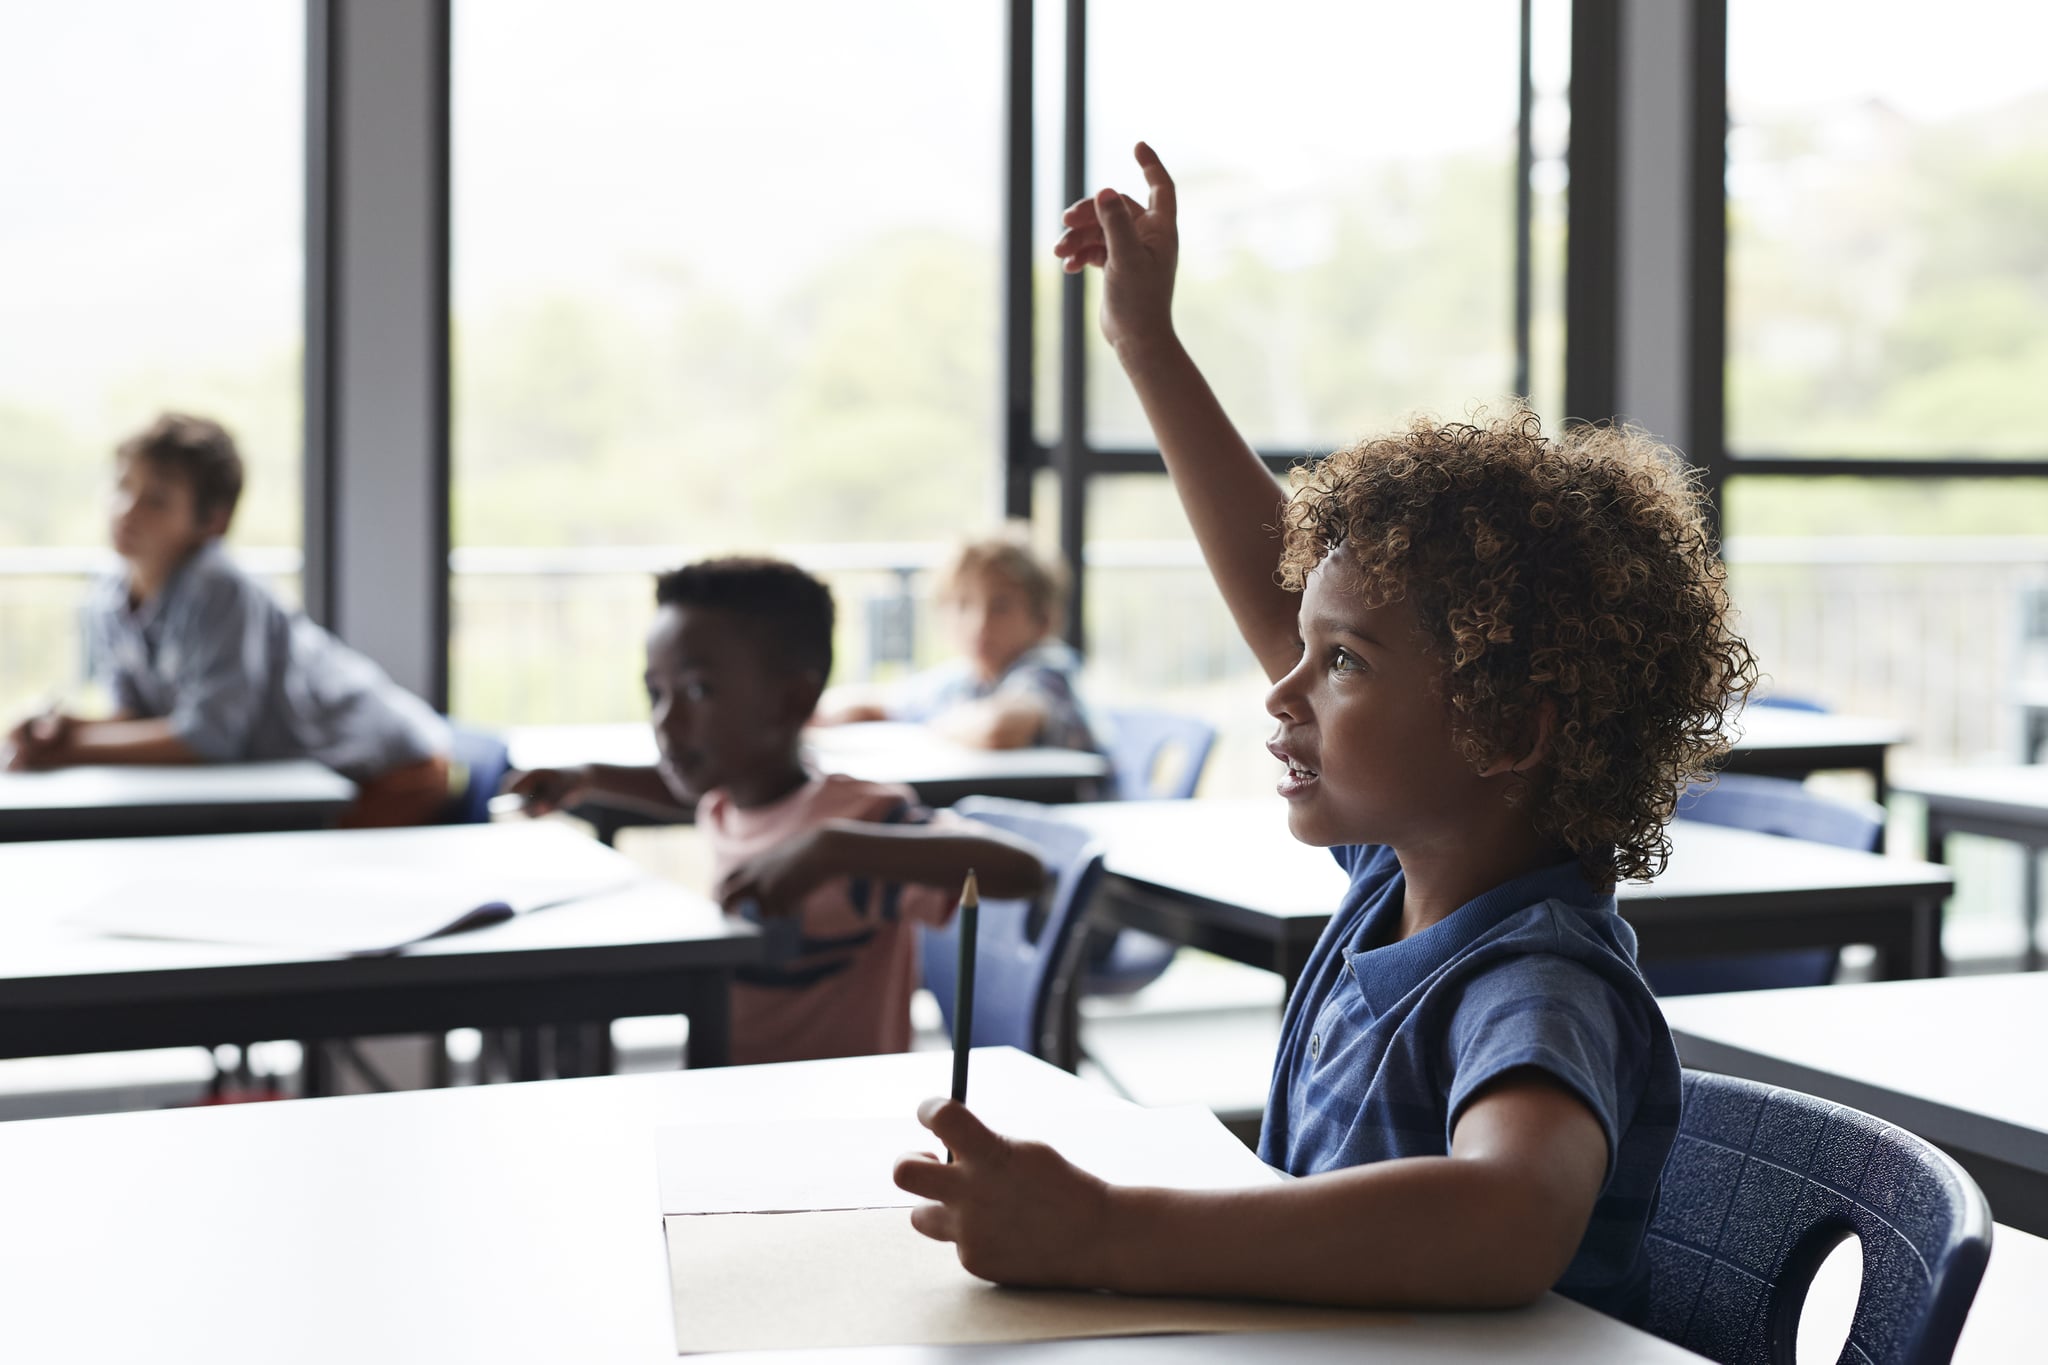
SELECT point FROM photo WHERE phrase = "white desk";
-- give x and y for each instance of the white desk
(1228, 877)
(221, 798)
(650, 948)
(1779, 741)
(1955, 1060)
(2009, 803)
(504, 1224)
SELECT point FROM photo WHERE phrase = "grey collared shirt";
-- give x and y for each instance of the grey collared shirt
(241, 677)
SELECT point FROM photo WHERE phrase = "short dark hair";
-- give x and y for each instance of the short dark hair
(198, 450)
(788, 610)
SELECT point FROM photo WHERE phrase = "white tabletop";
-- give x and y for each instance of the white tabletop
(1762, 729)
(1937, 1057)
(48, 883)
(182, 794)
(2016, 792)
(504, 1224)
(879, 751)
(1239, 853)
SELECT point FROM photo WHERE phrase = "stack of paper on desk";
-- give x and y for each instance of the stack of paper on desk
(792, 1235)
(364, 912)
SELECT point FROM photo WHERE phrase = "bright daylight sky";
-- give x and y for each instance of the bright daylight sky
(150, 168)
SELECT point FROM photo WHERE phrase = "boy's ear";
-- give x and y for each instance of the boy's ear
(214, 524)
(802, 696)
(1538, 748)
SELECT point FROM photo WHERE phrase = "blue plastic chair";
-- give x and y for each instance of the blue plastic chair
(1141, 743)
(1023, 962)
(1155, 756)
(1768, 805)
(1763, 1183)
(483, 760)
(1806, 704)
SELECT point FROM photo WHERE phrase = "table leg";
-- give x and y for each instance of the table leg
(708, 1007)
(2030, 903)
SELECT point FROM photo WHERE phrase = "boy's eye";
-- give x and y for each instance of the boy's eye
(1344, 661)
(695, 691)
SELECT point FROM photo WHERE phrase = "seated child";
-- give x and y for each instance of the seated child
(206, 666)
(1014, 685)
(1496, 659)
(738, 654)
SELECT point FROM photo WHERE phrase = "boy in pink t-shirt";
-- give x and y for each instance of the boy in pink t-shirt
(737, 657)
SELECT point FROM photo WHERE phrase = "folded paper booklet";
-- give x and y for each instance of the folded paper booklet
(365, 912)
(865, 1277)
(789, 1235)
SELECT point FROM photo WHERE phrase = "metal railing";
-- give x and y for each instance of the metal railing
(1930, 631)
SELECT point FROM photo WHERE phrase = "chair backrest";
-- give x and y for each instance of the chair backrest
(1778, 805)
(1157, 755)
(1768, 805)
(1024, 963)
(1807, 704)
(480, 761)
(1763, 1183)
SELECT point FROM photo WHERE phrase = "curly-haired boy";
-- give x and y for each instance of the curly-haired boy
(1496, 660)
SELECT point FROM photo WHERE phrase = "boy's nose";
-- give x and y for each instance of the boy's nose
(1284, 699)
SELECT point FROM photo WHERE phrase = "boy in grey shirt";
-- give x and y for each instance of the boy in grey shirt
(206, 666)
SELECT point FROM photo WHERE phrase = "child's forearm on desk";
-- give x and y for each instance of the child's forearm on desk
(127, 741)
(1231, 501)
(642, 786)
(1421, 1232)
(932, 855)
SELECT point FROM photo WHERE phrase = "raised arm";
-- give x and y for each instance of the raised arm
(1231, 501)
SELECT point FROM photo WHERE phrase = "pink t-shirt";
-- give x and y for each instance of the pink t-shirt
(848, 993)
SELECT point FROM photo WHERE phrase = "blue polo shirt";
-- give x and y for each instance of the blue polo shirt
(1386, 1039)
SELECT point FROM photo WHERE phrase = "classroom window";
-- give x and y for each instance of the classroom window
(151, 258)
(1348, 204)
(725, 278)
(1887, 273)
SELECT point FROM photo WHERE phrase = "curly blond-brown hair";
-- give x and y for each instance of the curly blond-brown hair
(1575, 574)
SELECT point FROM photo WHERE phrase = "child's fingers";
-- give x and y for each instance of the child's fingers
(1080, 213)
(965, 1136)
(1163, 198)
(1118, 232)
(927, 1177)
(936, 1221)
(1076, 240)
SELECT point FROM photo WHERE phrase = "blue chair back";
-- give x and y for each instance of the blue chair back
(1768, 805)
(1763, 1183)
(1141, 742)
(483, 760)
(1806, 704)
(1023, 962)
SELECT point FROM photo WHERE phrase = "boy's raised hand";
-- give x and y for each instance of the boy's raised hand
(1136, 245)
(1018, 1212)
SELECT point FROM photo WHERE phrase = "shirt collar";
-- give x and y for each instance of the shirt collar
(146, 615)
(1387, 973)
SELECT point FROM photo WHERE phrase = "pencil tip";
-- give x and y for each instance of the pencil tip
(970, 894)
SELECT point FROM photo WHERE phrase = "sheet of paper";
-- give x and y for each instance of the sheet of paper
(366, 910)
(759, 1282)
(782, 1167)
